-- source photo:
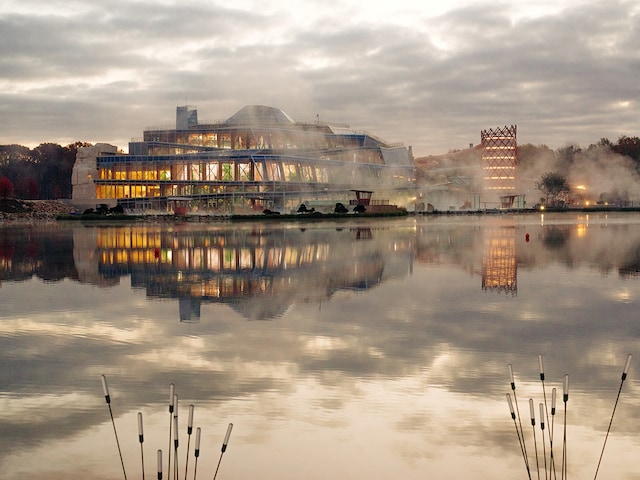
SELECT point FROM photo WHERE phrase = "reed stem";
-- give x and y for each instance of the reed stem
(624, 377)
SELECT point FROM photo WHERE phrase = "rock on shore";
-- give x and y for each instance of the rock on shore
(13, 210)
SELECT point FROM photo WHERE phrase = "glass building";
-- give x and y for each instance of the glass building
(259, 158)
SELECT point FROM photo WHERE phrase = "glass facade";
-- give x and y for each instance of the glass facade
(258, 158)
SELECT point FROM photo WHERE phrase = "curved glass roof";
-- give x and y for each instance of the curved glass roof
(259, 115)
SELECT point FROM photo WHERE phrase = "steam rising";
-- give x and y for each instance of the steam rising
(596, 173)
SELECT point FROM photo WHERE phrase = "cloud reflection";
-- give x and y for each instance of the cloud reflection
(382, 360)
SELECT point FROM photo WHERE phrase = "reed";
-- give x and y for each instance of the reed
(544, 448)
(565, 399)
(552, 459)
(546, 413)
(624, 377)
(547, 422)
(172, 468)
(176, 436)
(141, 440)
(224, 448)
(189, 430)
(172, 389)
(107, 397)
(533, 428)
(196, 453)
(520, 439)
(175, 447)
(515, 399)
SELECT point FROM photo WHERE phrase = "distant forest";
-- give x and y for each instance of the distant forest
(44, 172)
(41, 173)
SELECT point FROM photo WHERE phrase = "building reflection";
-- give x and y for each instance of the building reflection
(261, 270)
(499, 265)
(257, 272)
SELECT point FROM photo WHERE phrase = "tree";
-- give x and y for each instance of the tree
(628, 146)
(6, 187)
(52, 174)
(32, 188)
(603, 143)
(552, 185)
(567, 156)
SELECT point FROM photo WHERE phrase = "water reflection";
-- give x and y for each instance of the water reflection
(259, 272)
(216, 264)
(499, 266)
(384, 353)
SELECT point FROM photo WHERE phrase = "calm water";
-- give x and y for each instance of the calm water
(338, 350)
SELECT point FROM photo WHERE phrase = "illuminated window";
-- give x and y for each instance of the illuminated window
(307, 173)
(227, 172)
(244, 171)
(196, 172)
(290, 172)
(273, 171)
(211, 171)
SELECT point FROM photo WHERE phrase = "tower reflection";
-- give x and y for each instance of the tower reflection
(499, 266)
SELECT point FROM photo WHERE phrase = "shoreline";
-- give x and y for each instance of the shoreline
(28, 212)
(25, 212)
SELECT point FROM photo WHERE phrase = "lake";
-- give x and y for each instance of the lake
(361, 349)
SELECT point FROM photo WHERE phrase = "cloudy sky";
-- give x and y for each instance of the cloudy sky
(427, 74)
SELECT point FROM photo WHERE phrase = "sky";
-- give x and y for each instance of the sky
(430, 75)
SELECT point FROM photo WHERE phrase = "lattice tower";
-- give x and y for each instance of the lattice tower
(499, 159)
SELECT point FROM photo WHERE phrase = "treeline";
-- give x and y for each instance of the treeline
(43, 172)
(569, 156)
(610, 170)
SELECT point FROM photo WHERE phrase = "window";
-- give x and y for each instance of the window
(273, 171)
(307, 173)
(227, 172)
(244, 172)
(211, 170)
(196, 172)
(290, 172)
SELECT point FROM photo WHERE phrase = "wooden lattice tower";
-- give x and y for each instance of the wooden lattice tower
(499, 160)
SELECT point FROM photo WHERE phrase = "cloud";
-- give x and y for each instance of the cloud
(428, 78)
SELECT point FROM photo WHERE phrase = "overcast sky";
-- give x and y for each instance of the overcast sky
(428, 74)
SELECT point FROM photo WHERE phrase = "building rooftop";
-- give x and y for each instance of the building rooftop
(259, 115)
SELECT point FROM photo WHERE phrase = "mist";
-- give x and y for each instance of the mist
(595, 174)
(454, 181)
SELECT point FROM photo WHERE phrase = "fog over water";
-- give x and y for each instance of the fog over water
(351, 350)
